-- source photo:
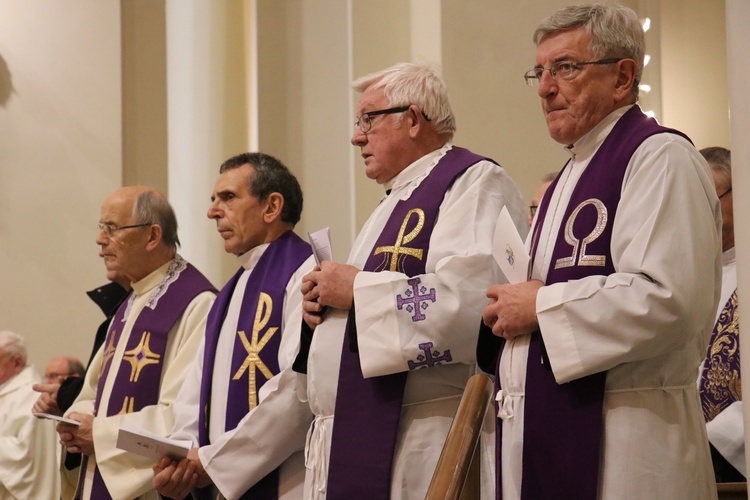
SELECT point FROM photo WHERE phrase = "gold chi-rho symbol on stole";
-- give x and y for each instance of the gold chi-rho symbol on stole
(398, 249)
(570, 238)
(253, 348)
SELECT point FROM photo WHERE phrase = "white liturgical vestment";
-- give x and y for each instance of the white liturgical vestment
(645, 324)
(460, 268)
(28, 451)
(128, 475)
(273, 430)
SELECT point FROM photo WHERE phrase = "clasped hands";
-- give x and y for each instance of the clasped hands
(512, 309)
(176, 479)
(327, 285)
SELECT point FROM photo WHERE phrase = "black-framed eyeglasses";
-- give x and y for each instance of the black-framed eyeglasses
(364, 122)
(722, 195)
(566, 70)
(532, 210)
(108, 229)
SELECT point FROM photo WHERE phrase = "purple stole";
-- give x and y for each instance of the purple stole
(720, 378)
(138, 379)
(256, 349)
(367, 411)
(563, 424)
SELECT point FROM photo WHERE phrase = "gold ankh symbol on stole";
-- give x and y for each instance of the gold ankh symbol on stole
(402, 239)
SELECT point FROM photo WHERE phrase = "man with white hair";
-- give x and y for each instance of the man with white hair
(384, 383)
(28, 462)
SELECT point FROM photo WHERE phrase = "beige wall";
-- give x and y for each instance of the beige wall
(60, 153)
(84, 110)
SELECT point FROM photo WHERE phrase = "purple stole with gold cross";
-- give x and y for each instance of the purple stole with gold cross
(138, 380)
(367, 411)
(255, 358)
(563, 423)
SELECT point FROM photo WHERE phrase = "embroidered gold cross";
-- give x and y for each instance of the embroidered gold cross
(140, 356)
(127, 405)
(109, 351)
(253, 348)
(397, 249)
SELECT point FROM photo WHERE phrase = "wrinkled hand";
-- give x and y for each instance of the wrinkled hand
(512, 309)
(47, 402)
(177, 480)
(77, 439)
(331, 285)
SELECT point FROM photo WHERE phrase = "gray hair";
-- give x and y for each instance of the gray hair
(13, 344)
(270, 176)
(614, 29)
(720, 161)
(151, 207)
(75, 368)
(418, 84)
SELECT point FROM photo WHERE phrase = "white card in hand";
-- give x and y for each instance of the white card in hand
(320, 241)
(148, 444)
(55, 417)
(509, 250)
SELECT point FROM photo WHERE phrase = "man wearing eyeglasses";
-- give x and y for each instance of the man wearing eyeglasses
(152, 339)
(598, 395)
(720, 382)
(394, 336)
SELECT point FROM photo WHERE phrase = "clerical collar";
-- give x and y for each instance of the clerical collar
(727, 257)
(588, 144)
(414, 173)
(249, 259)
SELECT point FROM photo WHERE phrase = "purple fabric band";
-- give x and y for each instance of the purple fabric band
(260, 321)
(138, 380)
(563, 425)
(368, 411)
(720, 378)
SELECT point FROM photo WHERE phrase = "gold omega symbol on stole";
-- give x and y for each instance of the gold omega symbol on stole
(397, 249)
(583, 259)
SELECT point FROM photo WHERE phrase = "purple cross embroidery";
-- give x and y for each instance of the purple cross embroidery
(429, 358)
(415, 302)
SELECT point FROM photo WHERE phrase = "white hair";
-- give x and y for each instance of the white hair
(12, 343)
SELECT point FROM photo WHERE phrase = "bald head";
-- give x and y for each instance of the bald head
(60, 368)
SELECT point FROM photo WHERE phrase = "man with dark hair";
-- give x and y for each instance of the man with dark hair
(597, 395)
(152, 339)
(720, 382)
(240, 404)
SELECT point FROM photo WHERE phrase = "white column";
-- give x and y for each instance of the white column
(197, 84)
(738, 66)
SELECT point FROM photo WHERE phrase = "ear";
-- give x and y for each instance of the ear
(626, 71)
(274, 205)
(154, 237)
(414, 120)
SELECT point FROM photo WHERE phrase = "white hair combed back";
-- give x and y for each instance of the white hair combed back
(414, 83)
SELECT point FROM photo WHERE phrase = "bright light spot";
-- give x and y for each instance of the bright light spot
(646, 23)
(645, 87)
(650, 114)
(646, 59)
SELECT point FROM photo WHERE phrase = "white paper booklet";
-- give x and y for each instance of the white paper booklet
(509, 250)
(55, 417)
(146, 443)
(320, 241)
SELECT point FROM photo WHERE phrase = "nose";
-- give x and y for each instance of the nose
(358, 137)
(101, 238)
(213, 210)
(547, 85)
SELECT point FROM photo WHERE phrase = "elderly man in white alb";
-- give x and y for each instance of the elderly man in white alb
(28, 453)
(152, 340)
(598, 393)
(389, 358)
